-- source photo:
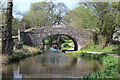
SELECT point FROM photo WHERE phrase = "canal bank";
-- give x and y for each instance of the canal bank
(110, 62)
(19, 54)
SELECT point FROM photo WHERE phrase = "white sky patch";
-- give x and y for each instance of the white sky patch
(45, 0)
(99, 0)
(24, 5)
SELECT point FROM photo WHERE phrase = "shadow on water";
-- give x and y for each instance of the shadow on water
(51, 65)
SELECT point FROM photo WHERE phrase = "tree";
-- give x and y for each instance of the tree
(7, 42)
(2, 13)
(16, 25)
(45, 14)
(16, 22)
(38, 14)
(60, 11)
(119, 14)
(106, 13)
(81, 17)
(100, 17)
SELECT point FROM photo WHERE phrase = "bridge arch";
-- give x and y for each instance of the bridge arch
(73, 40)
(34, 37)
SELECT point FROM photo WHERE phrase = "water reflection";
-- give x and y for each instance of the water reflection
(16, 72)
(58, 61)
(51, 65)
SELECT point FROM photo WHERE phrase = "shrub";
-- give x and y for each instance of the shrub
(117, 50)
(16, 56)
(32, 50)
(93, 56)
(110, 63)
(26, 52)
(66, 45)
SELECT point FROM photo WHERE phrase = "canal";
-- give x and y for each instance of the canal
(51, 65)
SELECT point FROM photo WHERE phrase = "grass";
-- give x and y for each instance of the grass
(32, 49)
(66, 46)
(110, 63)
(113, 49)
(19, 54)
(27, 51)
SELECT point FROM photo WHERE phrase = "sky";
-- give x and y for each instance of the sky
(24, 5)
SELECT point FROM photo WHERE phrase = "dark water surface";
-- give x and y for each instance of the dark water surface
(52, 65)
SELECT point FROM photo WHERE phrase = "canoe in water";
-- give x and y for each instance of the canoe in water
(53, 49)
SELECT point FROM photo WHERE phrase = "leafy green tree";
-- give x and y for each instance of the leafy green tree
(45, 14)
(37, 16)
(16, 25)
(100, 17)
(81, 17)
(119, 14)
(60, 11)
(2, 13)
(107, 20)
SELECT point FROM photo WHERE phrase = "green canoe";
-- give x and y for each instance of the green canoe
(53, 49)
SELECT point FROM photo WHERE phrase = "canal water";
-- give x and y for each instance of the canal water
(51, 65)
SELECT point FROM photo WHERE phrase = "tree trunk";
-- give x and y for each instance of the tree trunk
(105, 40)
(95, 37)
(7, 42)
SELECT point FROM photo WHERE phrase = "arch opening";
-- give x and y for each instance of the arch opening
(61, 41)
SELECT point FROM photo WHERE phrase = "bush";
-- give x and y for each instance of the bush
(110, 63)
(25, 52)
(117, 50)
(66, 45)
(93, 56)
(32, 50)
(111, 68)
(16, 56)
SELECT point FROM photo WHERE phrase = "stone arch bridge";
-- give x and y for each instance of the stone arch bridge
(34, 37)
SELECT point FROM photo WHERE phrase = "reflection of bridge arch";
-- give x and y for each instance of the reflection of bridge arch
(58, 60)
(35, 36)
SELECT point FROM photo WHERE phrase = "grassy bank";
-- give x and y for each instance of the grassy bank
(110, 63)
(112, 49)
(26, 51)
